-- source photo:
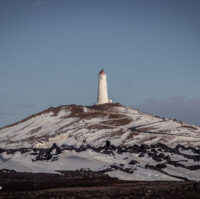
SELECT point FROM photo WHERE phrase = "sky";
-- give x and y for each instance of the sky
(52, 50)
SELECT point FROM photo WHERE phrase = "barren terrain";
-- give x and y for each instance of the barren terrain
(84, 184)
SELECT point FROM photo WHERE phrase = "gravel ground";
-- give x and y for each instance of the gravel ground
(87, 184)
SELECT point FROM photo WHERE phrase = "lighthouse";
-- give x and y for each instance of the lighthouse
(102, 97)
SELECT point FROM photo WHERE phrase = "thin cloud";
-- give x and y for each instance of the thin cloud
(42, 4)
(12, 77)
(13, 109)
(127, 86)
(180, 108)
(26, 105)
(2, 113)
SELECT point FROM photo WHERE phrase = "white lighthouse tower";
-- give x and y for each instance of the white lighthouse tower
(102, 97)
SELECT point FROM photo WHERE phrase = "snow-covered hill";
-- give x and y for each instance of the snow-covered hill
(110, 138)
(94, 125)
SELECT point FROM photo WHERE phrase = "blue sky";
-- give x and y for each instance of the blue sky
(52, 50)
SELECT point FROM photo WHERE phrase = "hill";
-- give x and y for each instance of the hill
(110, 138)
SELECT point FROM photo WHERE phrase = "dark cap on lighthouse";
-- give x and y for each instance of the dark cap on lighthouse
(101, 72)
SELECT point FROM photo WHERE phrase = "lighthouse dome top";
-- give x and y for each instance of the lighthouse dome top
(101, 72)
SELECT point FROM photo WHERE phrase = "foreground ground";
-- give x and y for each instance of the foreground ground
(86, 184)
